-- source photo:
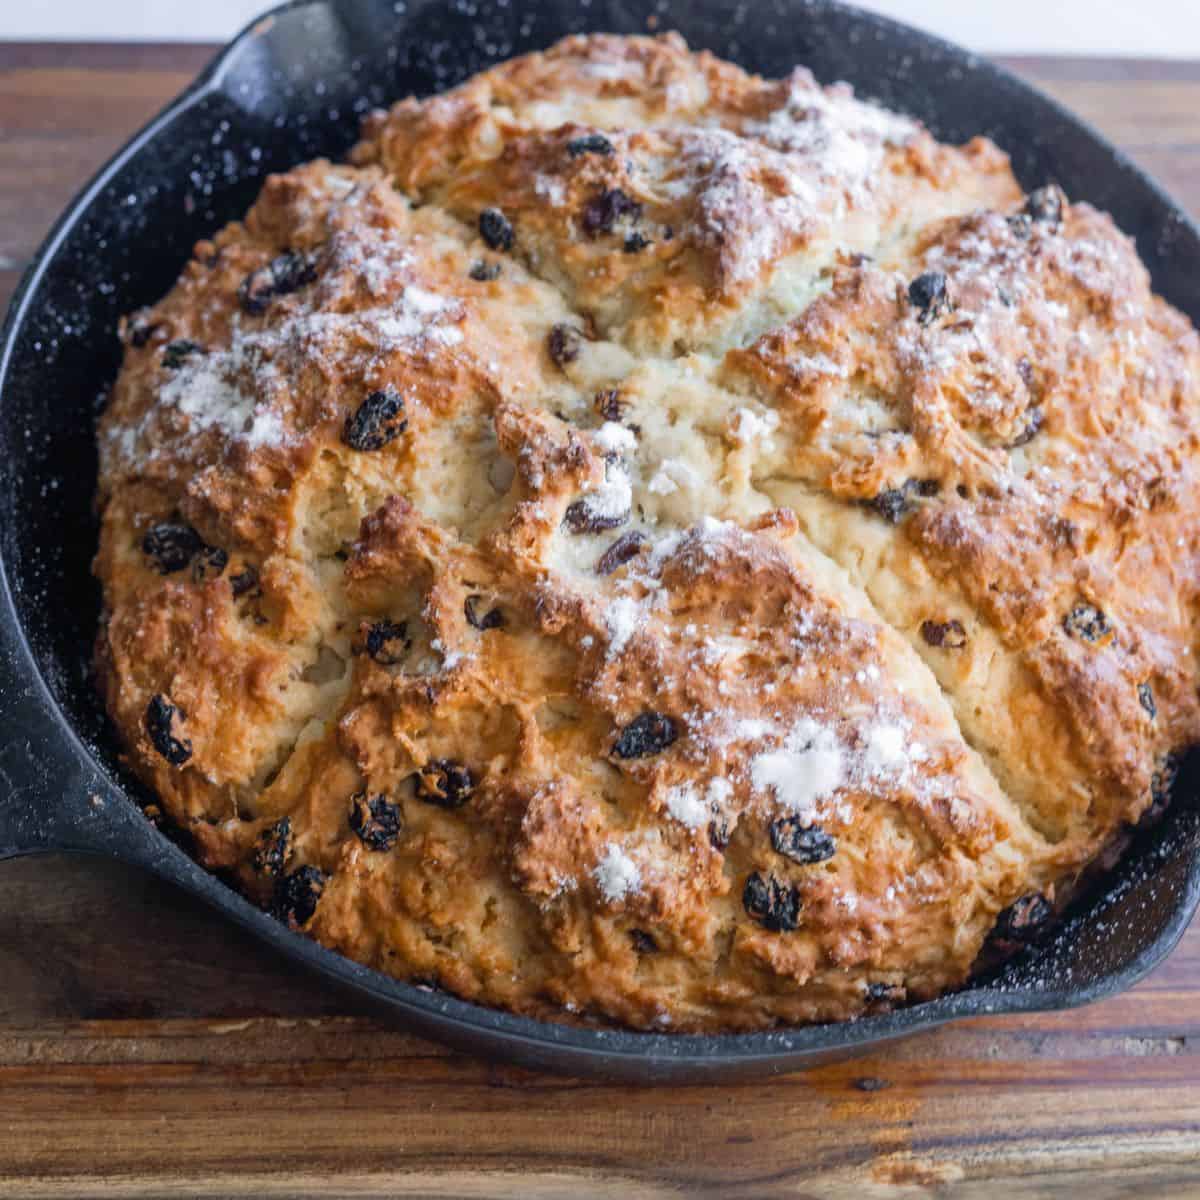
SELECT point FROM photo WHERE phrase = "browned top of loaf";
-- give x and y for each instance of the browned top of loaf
(564, 557)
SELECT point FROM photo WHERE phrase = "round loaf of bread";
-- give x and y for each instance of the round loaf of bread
(647, 544)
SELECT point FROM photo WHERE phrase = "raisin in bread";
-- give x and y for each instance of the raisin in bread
(655, 544)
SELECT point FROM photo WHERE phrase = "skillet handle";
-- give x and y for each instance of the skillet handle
(53, 797)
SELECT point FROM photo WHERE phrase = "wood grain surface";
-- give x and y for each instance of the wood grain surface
(147, 1049)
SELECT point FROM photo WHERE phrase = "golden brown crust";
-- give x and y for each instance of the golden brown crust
(707, 186)
(1046, 413)
(644, 602)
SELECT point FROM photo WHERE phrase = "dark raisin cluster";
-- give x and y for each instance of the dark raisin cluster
(603, 211)
(160, 716)
(580, 517)
(564, 343)
(643, 942)
(377, 822)
(928, 293)
(589, 143)
(273, 848)
(805, 844)
(171, 546)
(379, 419)
(772, 902)
(496, 229)
(893, 504)
(287, 273)
(387, 642)
(719, 833)
(210, 563)
(246, 582)
(649, 733)
(492, 618)
(483, 271)
(1087, 622)
(1042, 207)
(947, 635)
(1034, 419)
(627, 546)
(444, 783)
(297, 896)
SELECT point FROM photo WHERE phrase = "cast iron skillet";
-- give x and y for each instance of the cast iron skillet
(293, 86)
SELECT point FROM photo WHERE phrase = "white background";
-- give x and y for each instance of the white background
(1167, 28)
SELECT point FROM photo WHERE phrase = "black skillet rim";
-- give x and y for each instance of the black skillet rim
(598, 1051)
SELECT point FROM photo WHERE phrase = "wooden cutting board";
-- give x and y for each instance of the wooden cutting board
(148, 1049)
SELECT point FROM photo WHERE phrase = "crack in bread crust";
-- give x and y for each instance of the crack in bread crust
(648, 544)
